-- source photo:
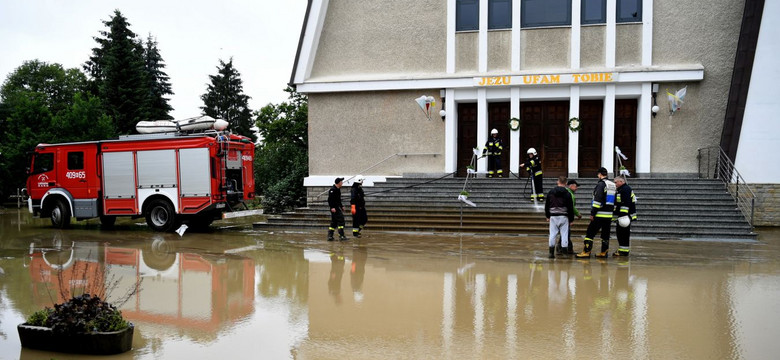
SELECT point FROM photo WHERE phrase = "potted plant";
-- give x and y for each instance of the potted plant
(84, 324)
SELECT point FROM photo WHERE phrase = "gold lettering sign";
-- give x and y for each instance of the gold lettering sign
(546, 79)
(494, 80)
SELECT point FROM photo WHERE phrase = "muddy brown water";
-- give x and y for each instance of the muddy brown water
(239, 293)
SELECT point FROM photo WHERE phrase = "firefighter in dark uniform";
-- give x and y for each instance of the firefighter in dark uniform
(358, 202)
(336, 210)
(625, 214)
(493, 148)
(534, 168)
(601, 210)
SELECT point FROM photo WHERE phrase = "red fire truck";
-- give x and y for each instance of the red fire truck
(169, 178)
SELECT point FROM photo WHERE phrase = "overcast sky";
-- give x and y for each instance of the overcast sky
(260, 35)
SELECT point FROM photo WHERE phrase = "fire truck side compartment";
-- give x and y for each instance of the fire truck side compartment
(118, 175)
(194, 172)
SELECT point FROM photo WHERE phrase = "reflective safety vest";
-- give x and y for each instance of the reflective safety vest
(534, 166)
(493, 146)
(626, 202)
(604, 196)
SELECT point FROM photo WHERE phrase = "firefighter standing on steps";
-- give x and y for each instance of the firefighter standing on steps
(600, 215)
(534, 168)
(625, 214)
(493, 148)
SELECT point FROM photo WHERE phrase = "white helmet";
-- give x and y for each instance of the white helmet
(359, 179)
(531, 151)
(494, 131)
(624, 221)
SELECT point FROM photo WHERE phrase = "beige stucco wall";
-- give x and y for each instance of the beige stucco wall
(689, 33)
(545, 48)
(350, 132)
(499, 50)
(592, 52)
(413, 41)
(628, 45)
(466, 51)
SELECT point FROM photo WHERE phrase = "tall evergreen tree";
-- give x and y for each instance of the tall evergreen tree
(225, 99)
(158, 81)
(119, 75)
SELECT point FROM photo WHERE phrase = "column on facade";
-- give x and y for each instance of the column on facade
(514, 136)
(450, 132)
(574, 136)
(482, 126)
(608, 129)
(643, 130)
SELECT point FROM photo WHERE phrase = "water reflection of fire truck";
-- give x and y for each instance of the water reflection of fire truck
(184, 290)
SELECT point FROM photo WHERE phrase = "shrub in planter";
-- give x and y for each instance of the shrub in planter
(83, 324)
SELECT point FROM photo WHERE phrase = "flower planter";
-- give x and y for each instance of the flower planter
(100, 343)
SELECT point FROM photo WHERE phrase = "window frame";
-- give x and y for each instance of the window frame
(638, 18)
(526, 24)
(504, 25)
(462, 5)
(75, 160)
(603, 19)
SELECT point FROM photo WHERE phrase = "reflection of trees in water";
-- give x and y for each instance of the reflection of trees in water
(283, 272)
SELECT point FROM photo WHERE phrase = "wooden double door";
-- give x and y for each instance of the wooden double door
(498, 118)
(591, 116)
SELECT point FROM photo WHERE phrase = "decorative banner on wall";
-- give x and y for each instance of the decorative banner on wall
(676, 99)
(426, 103)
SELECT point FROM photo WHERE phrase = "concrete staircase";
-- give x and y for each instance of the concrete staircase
(667, 208)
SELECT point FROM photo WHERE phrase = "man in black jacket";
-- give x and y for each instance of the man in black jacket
(600, 215)
(559, 211)
(336, 210)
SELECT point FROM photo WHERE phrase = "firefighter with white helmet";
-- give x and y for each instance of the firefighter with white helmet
(492, 150)
(625, 213)
(534, 168)
(358, 202)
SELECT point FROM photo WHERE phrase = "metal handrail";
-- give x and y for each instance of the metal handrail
(715, 164)
(364, 171)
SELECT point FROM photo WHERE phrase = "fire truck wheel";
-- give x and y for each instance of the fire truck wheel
(107, 221)
(60, 215)
(160, 216)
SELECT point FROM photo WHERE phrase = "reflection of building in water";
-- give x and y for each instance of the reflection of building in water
(179, 289)
(576, 309)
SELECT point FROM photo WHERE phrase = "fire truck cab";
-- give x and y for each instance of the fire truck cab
(168, 178)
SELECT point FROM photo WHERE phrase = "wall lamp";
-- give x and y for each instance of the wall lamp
(655, 107)
(442, 113)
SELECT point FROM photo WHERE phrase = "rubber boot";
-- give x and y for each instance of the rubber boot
(330, 235)
(604, 250)
(552, 252)
(341, 235)
(585, 254)
(602, 254)
(356, 233)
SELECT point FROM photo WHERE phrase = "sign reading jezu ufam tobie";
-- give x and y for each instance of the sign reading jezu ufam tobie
(546, 79)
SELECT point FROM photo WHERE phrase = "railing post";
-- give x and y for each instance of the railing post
(737, 190)
(708, 163)
(752, 210)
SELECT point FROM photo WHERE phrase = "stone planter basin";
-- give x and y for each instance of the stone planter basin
(100, 343)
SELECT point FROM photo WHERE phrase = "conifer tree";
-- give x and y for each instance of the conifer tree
(158, 81)
(118, 74)
(225, 99)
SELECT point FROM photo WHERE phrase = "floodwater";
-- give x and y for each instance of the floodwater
(239, 293)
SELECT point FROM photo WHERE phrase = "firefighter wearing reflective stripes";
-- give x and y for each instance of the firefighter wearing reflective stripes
(336, 210)
(493, 148)
(625, 214)
(534, 168)
(602, 206)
